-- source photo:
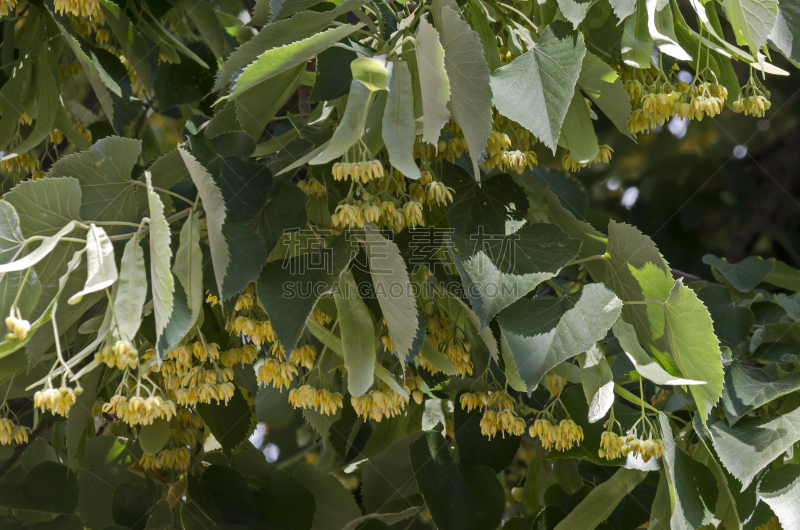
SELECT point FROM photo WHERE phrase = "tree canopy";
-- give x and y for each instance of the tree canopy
(351, 264)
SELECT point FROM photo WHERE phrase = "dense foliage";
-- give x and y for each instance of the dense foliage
(298, 264)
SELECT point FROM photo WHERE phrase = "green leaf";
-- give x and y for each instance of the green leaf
(434, 85)
(780, 489)
(637, 44)
(399, 127)
(45, 206)
(101, 267)
(289, 289)
(138, 49)
(660, 511)
(393, 290)
(223, 496)
(474, 448)
(748, 389)
(48, 103)
(160, 517)
(597, 381)
(277, 60)
(662, 31)
(732, 323)
(745, 275)
(285, 503)
(255, 109)
(349, 129)
(536, 88)
(481, 207)
(636, 272)
(335, 506)
(470, 88)
(153, 437)
(785, 32)
(480, 24)
(333, 75)
(691, 341)
(285, 212)
(81, 412)
(602, 500)
(388, 482)
(281, 33)
(753, 443)
(498, 270)
(131, 290)
(450, 489)
(358, 336)
(163, 284)
(784, 276)
(691, 484)
(237, 255)
(204, 18)
(603, 86)
(231, 423)
(106, 459)
(42, 251)
(623, 8)
(371, 73)
(48, 487)
(188, 267)
(644, 365)
(543, 333)
(115, 99)
(132, 503)
(752, 21)
(577, 131)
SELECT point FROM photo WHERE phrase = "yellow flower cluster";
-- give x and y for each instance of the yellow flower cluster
(205, 393)
(7, 6)
(25, 118)
(56, 400)
(79, 8)
(304, 356)
(246, 300)
(321, 317)
(247, 354)
(322, 400)
(24, 161)
(481, 400)
(555, 383)
(12, 433)
(258, 331)
(18, 328)
(122, 354)
(177, 459)
(604, 156)
(358, 171)
(563, 436)
(56, 136)
(438, 193)
(212, 300)
(655, 103)
(772, 524)
(71, 68)
(755, 105)
(442, 333)
(311, 184)
(610, 445)
(505, 421)
(379, 404)
(138, 410)
(278, 374)
(101, 36)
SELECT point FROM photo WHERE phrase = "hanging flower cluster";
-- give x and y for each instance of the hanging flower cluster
(562, 436)
(56, 400)
(321, 400)
(449, 340)
(499, 414)
(656, 97)
(9, 432)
